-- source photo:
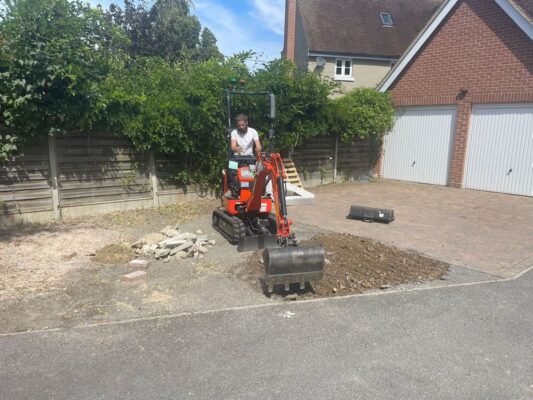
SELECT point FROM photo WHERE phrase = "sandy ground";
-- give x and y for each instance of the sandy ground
(49, 279)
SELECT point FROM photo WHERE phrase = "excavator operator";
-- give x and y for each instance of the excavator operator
(243, 139)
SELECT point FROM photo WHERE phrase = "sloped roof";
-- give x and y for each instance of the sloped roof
(525, 7)
(355, 27)
(510, 7)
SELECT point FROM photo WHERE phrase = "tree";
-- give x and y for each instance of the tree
(208, 47)
(302, 100)
(136, 21)
(166, 30)
(362, 113)
(53, 54)
(176, 32)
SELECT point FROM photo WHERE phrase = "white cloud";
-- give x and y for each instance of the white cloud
(235, 32)
(225, 24)
(271, 13)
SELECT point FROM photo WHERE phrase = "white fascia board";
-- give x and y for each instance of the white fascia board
(344, 56)
(416, 45)
(516, 16)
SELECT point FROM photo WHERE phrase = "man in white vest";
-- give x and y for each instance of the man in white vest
(242, 142)
(244, 137)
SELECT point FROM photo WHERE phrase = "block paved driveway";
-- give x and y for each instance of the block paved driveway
(490, 232)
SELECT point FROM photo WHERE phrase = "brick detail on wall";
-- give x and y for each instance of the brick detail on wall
(460, 143)
(289, 44)
(478, 55)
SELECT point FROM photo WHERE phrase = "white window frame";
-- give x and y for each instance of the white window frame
(343, 76)
(388, 16)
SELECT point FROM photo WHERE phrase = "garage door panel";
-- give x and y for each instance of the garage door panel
(500, 151)
(418, 148)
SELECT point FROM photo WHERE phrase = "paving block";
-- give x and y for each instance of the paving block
(134, 276)
(139, 263)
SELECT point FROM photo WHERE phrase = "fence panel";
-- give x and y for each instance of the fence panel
(356, 161)
(314, 160)
(100, 168)
(25, 184)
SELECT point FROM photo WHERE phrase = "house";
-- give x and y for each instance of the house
(352, 41)
(464, 96)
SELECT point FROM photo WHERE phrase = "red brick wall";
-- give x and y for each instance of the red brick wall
(477, 49)
(290, 30)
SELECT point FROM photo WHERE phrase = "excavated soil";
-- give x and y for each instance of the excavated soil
(355, 265)
(115, 253)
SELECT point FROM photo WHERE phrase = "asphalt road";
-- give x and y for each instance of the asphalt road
(463, 342)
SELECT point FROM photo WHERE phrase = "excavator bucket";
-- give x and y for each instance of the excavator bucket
(286, 265)
(252, 243)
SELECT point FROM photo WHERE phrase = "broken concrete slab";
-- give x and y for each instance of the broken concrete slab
(172, 242)
(171, 232)
(180, 255)
(202, 249)
(162, 253)
(181, 247)
(139, 263)
(133, 276)
(185, 236)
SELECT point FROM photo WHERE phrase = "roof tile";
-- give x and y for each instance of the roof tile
(354, 26)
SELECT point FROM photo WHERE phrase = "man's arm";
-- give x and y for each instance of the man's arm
(258, 147)
(235, 147)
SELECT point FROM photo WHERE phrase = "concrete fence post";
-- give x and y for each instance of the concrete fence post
(54, 176)
(153, 178)
(335, 157)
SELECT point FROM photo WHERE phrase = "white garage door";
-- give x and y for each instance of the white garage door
(418, 148)
(500, 152)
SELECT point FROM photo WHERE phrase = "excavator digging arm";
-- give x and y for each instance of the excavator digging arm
(272, 169)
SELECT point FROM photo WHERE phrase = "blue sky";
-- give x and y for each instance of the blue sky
(240, 24)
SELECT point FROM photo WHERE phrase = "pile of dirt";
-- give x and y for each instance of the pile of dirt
(116, 253)
(354, 265)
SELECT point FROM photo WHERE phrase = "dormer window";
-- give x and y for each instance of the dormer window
(386, 19)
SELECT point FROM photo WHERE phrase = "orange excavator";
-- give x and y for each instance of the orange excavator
(256, 216)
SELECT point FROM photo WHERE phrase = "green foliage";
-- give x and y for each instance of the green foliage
(302, 100)
(53, 54)
(152, 75)
(144, 102)
(8, 145)
(174, 109)
(208, 47)
(362, 113)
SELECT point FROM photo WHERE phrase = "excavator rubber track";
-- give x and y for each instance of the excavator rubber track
(231, 227)
(234, 230)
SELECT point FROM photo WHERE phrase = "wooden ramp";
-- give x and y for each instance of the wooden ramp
(292, 174)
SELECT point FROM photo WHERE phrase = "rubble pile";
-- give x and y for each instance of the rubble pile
(171, 242)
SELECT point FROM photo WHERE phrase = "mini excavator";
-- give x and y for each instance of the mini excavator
(256, 217)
